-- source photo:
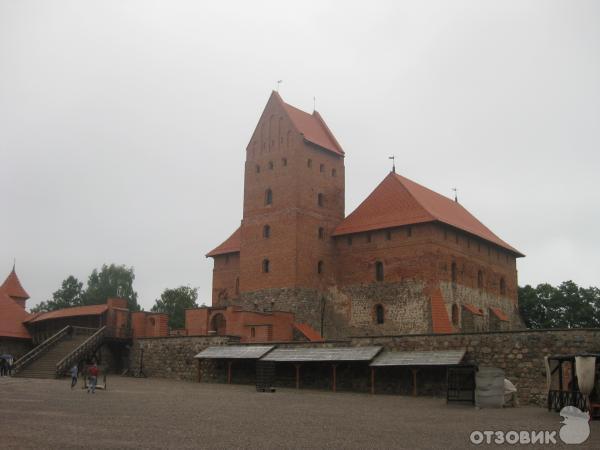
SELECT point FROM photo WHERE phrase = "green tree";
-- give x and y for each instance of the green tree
(564, 306)
(111, 281)
(70, 294)
(174, 302)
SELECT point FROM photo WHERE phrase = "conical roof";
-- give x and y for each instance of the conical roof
(12, 286)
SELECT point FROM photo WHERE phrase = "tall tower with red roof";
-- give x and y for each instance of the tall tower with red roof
(13, 288)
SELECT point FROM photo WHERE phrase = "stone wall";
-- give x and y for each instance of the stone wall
(15, 347)
(520, 353)
(173, 357)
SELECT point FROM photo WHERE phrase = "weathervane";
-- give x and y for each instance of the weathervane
(278, 83)
(455, 194)
(393, 158)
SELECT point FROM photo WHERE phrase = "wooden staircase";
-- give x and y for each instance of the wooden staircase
(56, 355)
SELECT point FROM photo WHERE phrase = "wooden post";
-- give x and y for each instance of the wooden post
(560, 376)
(297, 376)
(372, 380)
(414, 374)
(334, 367)
(229, 371)
(199, 370)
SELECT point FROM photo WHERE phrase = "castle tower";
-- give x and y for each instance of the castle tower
(12, 287)
(293, 200)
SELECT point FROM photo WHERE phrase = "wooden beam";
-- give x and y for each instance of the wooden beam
(297, 376)
(414, 375)
(199, 370)
(372, 380)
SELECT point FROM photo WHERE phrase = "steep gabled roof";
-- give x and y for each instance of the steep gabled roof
(398, 201)
(12, 286)
(90, 310)
(313, 127)
(231, 245)
(499, 314)
(12, 317)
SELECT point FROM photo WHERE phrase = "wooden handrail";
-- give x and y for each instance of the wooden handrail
(34, 353)
(80, 351)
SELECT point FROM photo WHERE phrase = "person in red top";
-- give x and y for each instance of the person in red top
(93, 378)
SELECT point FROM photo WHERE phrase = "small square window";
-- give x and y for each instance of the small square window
(333, 172)
(309, 163)
(368, 237)
(284, 162)
(257, 168)
(271, 165)
(388, 235)
(349, 240)
(321, 167)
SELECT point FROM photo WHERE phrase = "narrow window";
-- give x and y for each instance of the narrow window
(271, 165)
(333, 172)
(349, 240)
(409, 231)
(479, 247)
(445, 235)
(455, 314)
(226, 259)
(320, 267)
(379, 271)
(321, 233)
(379, 314)
(321, 167)
(453, 270)
(480, 279)
(252, 332)
(266, 231)
(268, 197)
(237, 285)
(309, 163)
(320, 200)
(265, 266)
(468, 243)
(502, 286)
(368, 238)
(456, 238)
(284, 162)
(489, 251)
(257, 168)
(388, 235)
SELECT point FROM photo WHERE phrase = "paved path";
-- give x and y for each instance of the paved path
(155, 413)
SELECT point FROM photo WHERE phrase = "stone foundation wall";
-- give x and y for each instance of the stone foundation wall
(520, 353)
(15, 347)
(173, 357)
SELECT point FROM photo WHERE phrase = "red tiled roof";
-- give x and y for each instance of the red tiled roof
(12, 317)
(90, 310)
(309, 332)
(231, 244)
(313, 127)
(473, 309)
(499, 314)
(12, 286)
(440, 322)
(398, 201)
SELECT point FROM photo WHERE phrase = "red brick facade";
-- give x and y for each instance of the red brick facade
(374, 272)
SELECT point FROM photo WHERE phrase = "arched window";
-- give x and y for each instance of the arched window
(237, 285)
(268, 197)
(266, 231)
(218, 324)
(321, 233)
(479, 279)
(502, 286)
(320, 199)
(265, 266)
(320, 267)
(379, 271)
(379, 314)
(453, 272)
(455, 314)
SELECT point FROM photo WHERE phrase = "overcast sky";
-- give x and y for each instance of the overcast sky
(123, 124)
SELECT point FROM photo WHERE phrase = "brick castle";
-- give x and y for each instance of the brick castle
(407, 260)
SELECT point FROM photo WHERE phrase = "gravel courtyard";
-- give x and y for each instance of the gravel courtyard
(156, 413)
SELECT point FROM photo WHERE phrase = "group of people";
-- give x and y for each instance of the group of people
(5, 366)
(92, 375)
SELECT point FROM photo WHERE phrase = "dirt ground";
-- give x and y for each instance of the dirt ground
(156, 413)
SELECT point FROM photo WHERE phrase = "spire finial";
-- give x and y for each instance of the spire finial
(278, 83)
(314, 103)
(393, 158)
(14, 263)
(455, 194)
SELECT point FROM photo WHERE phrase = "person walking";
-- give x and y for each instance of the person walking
(3, 367)
(93, 378)
(74, 372)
